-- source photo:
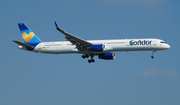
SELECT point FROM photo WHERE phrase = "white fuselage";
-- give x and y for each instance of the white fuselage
(65, 47)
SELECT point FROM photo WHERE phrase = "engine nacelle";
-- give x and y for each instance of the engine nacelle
(98, 47)
(107, 56)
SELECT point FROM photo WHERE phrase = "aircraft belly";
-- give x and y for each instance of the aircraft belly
(133, 48)
(62, 51)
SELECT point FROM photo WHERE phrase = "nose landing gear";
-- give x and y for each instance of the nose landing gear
(152, 56)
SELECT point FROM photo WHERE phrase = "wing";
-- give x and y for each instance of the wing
(80, 43)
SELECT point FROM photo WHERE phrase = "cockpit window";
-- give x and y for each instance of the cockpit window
(163, 42)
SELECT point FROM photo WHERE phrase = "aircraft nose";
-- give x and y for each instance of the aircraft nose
(168, 46)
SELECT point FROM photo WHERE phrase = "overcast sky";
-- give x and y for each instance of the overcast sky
(132, 78)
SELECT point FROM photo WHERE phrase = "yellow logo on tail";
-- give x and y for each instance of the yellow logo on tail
(27, 37)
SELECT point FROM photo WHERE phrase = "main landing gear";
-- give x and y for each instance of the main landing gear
(91, 60)
(152, 56)
(87, 56)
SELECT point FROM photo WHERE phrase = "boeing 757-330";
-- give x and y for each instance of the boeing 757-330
(104, 49)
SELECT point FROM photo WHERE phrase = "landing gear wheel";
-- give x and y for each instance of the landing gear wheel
(152, 57)
(83, 56)
(92, 60)
(89, 61)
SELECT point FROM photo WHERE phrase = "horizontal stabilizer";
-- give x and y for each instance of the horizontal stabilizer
(22, 44)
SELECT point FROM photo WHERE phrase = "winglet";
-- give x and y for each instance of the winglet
(57, 27)
(74, 38)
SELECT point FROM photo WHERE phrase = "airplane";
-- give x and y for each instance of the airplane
(88, 48)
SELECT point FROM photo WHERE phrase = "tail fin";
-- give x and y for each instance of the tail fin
(28, 36)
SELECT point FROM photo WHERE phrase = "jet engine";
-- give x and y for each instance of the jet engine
(107, 56)
(98, 47)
